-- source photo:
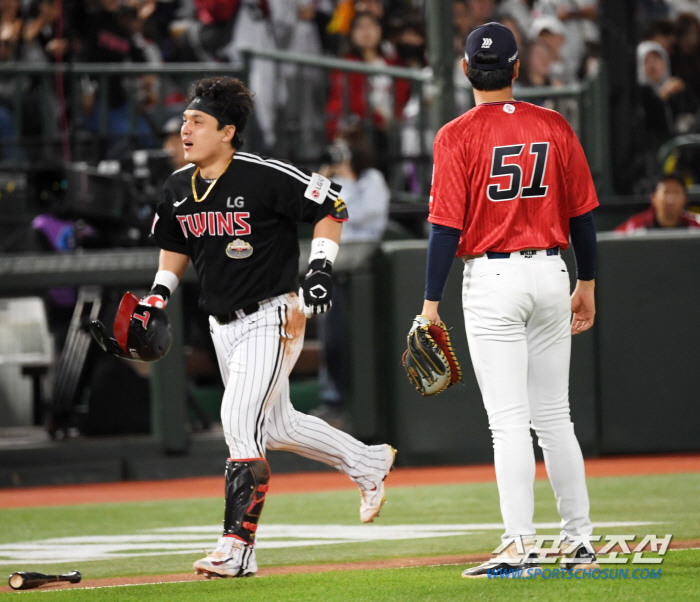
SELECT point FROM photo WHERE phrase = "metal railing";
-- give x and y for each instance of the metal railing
(298, 128)
(582, 105)
(41, 107)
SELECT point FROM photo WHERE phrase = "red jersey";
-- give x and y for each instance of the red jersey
(509, 175)
(647, 220)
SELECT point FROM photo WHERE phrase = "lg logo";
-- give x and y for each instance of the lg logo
(237, 203)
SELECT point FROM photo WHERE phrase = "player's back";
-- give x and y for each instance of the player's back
(524, 176)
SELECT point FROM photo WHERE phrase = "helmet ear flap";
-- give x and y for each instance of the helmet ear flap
(122, 321)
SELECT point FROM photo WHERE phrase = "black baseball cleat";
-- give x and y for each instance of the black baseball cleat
(580, 559)
(505, 566)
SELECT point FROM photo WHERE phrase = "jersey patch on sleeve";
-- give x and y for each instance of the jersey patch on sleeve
(340, 210)
(318, 188)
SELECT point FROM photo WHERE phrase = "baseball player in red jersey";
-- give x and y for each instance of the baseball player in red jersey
(510, 184)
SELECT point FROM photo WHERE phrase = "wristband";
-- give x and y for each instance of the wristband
(167, 279)
(324, 248)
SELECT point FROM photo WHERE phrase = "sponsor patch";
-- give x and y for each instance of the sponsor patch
(318, 188)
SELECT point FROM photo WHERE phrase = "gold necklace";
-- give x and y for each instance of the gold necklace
(206, 194)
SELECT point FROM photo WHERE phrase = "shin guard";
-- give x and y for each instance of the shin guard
(246, 486)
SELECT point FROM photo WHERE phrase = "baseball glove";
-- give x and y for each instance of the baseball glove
(430, 361)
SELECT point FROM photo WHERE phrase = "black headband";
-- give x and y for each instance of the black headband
(199, 103)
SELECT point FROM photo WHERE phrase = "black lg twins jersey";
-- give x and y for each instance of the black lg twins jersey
(242, 238)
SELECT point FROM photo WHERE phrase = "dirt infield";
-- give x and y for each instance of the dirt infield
(135, 491)
(395, 563)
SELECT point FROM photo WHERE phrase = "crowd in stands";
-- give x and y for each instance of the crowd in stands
(559, 44)
(668, 75)
(558, 39)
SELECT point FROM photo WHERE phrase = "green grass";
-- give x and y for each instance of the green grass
(678, 581)
(669, 499)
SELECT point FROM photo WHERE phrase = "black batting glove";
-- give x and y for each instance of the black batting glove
(316, 288)
(157, 297)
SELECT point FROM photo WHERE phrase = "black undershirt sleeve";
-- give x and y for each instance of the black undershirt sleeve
(583, 239)
(442, 248)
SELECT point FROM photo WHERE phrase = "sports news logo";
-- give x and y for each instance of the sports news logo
(550, 548)
(486, 42)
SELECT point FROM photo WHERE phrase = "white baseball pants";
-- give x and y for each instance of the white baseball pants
(517, 313)
(256, 353)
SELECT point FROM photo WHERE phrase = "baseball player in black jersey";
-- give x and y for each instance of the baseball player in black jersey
(234, 214)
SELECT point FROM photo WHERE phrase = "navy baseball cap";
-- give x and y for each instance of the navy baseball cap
(495, 38)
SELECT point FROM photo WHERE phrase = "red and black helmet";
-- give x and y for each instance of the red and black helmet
(141, 332)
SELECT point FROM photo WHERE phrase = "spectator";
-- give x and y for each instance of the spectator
(39, 33)
(364, 188)
(536, 66)
(685, 59)
(520, 11)
(367, 196)
(662, 32)
(410, 44)
(515, 29)
(579, 24)
(206, 36)
(11, 17)
(680, 7)
(668, 202)
(373, 7)
(482, 11)
(302, 98)
(107, 40)
(648, 12)
(10, 89)
(255, 26)
(366, 38)
(463, 25)
(172, 142)
(551, 32)
(668, 105)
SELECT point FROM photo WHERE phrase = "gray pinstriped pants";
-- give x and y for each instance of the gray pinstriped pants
(256, 353)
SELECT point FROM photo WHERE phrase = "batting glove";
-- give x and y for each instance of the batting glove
(157, 297)
(316, 288)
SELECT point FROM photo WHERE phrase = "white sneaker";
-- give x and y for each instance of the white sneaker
(232, 558)
(372, 500)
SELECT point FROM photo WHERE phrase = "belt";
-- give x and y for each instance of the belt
(233, 315)
(497, 255)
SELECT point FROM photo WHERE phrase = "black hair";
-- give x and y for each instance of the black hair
(674, 176)
(663, 27)
(487, 81)
(228, 96)
(359, 146)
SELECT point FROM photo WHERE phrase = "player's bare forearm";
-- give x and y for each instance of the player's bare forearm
(430, 310)
(173, 262)
(328, 228)
(583, 306)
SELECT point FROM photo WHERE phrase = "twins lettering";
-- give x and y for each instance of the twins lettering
(216, 223)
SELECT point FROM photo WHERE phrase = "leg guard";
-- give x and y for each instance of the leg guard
(246, 486)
